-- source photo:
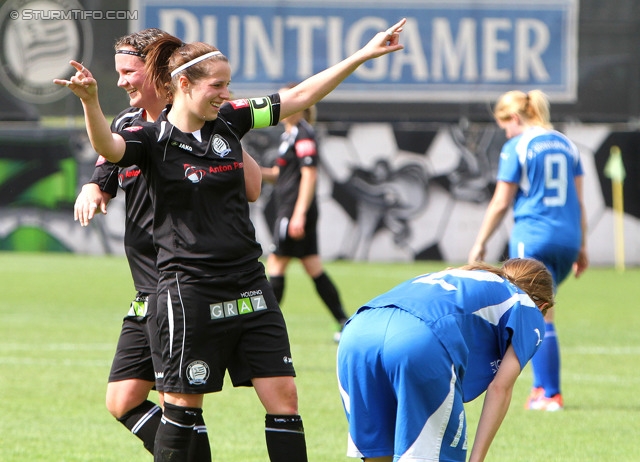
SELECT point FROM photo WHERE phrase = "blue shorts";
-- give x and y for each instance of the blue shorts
(399, 389)
(558, 259)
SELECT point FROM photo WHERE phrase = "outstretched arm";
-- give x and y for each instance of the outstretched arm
(109, 145)
(316, 87)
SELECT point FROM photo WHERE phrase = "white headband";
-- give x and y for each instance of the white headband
(194, 61)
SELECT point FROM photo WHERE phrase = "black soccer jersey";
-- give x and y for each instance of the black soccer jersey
(138, 239)
(297, 149)
(201, 213)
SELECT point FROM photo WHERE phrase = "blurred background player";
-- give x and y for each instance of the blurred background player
(541, 175)
(295, 232)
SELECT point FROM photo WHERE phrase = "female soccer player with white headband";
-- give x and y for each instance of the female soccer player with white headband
(216, 309)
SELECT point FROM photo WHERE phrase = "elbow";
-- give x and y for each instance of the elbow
(500, 208)
(500, 390)
(253, 193)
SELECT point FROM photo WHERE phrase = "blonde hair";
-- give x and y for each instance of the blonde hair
(528, 274)
(531, 107)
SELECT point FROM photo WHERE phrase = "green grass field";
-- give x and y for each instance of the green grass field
(60, 316)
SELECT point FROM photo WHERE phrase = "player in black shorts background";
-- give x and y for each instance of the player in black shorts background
(216, 309)
(295, 235)
(132, 374)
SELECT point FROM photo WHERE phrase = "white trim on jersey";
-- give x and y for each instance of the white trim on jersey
(127, 115)
(493, 313)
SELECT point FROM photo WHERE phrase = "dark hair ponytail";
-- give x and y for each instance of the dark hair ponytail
(156, 64)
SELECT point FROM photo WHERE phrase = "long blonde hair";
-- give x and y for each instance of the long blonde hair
(531, 107)
(528, 274)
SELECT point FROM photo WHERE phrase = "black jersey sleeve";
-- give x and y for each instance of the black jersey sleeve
(244, 114)
(105, 175)
(305, 145)
(137, 139)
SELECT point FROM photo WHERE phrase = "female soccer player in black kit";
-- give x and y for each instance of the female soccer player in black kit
(295, 231)
(138, 351)
(216, 309)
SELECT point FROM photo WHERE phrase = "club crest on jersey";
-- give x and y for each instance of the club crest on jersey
(183, 146)
(193, 173)
(220, 146)
(197, 373)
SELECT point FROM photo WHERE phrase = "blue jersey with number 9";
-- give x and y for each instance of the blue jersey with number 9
(544, 163)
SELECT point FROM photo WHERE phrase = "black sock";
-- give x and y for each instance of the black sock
(143, 422)
(329, 295)
(175, 432)
(199, 447)
(277, 282)
(285, 438)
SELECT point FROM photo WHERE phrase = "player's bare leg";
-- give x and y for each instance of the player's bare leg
(284, 431)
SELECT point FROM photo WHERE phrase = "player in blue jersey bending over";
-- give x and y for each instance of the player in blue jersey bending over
(216, 311)
(540, 173)
(410, 358)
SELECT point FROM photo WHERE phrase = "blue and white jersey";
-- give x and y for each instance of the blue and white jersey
(476, 315)
(544, 163)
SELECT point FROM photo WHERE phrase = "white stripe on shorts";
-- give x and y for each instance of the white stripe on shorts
(427, 445)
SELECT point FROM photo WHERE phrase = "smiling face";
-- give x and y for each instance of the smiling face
(203, 98)
(131, 78)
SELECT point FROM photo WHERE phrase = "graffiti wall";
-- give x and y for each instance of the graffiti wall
(41, 171)
(387, 192)
(403, 192)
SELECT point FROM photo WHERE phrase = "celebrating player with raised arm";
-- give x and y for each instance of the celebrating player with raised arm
(216, 309)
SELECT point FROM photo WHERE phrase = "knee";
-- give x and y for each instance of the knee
(116, 407)
(278, 395)
(123, 396)
(289, 399)
(287, 402)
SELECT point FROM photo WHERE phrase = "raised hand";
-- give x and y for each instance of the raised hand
(386, 41)
(82, 83)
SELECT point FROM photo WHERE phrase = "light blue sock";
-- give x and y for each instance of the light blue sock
(546, 363)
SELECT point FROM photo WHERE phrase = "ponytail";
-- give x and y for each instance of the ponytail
(168, 54)
(531, 107)
(156, 64)
(528, 274)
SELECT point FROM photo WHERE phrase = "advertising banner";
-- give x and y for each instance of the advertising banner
(454, 50)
